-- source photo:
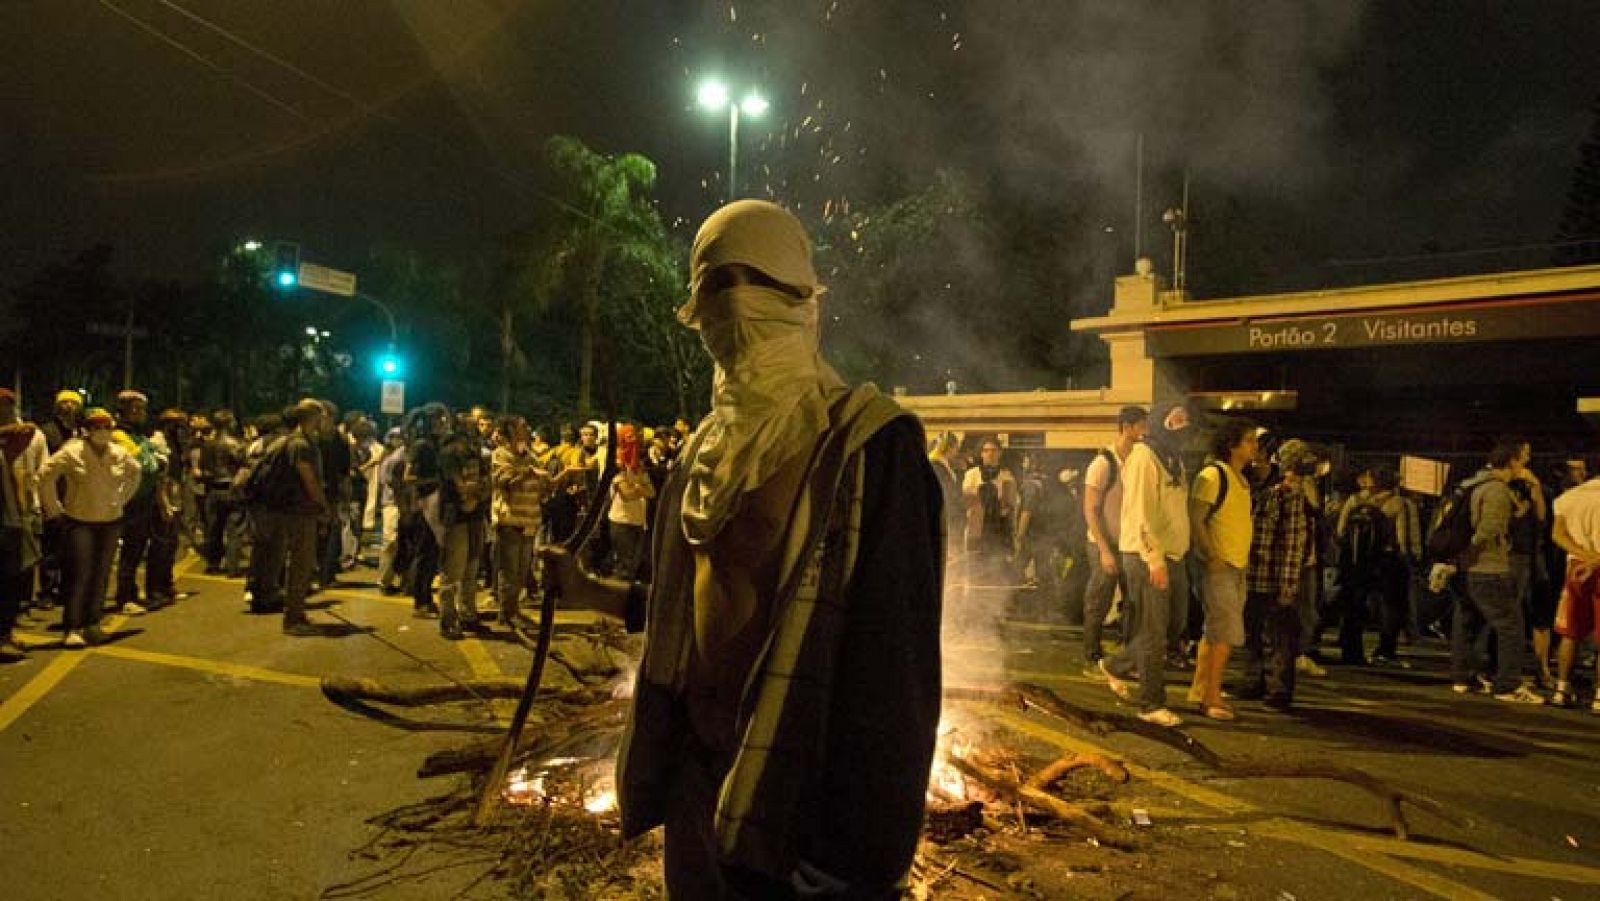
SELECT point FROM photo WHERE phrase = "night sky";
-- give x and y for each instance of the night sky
(1315, 133)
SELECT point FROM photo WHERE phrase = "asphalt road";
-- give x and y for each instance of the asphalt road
(195, 757)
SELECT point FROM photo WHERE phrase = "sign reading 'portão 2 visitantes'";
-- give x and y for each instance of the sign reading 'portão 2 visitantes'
(1504, 321)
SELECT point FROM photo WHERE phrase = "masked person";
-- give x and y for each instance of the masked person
(786, 707)
(1154, 542)
(99, 477)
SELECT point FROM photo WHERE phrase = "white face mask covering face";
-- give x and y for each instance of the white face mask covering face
(769, 401)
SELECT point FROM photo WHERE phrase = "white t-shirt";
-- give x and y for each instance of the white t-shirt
(1579, 509)
(629, 512)
(1098, 475)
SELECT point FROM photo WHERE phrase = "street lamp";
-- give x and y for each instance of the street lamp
(714, 96)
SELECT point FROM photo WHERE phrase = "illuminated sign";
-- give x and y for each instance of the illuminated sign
(1518, 320)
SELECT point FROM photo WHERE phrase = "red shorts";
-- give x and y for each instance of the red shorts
(1578, 614)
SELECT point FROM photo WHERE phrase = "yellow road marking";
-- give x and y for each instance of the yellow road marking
(201, 664)
(1374, 854)
(37, 687)
(1177, 785)
(1458, 857)
(1339, 846)
(479, 659)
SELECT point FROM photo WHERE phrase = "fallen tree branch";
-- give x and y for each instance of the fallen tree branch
(1059, 768)
(1035, 697)
(337, 688)
(1013, 792)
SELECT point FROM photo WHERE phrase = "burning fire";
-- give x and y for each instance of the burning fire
(602, 802)
(571, 781)
(524, 790)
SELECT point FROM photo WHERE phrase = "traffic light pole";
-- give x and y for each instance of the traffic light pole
(388, 314)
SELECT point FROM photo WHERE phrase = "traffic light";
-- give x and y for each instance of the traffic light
(285, 264)
(389, 365)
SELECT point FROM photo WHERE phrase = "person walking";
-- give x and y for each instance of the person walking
(1155, 549)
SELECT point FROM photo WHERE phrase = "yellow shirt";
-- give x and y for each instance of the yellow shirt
(1230, 526)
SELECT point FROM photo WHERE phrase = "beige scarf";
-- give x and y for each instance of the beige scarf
(770, 401)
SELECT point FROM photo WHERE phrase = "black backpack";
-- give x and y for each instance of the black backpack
(1369, 538)
(1451, 536)
(1222, 489)
(269, 480)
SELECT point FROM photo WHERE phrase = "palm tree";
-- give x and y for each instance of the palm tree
(605, 228)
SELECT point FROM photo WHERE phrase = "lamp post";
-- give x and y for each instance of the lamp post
(715, 96)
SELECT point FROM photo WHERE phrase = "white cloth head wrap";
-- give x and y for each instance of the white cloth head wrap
(772, 390)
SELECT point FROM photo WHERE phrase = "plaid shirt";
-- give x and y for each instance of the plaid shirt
(1282, 546)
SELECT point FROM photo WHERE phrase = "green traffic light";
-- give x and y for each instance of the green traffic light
(286, 279)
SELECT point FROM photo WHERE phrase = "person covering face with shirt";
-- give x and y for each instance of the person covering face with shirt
(786, 707)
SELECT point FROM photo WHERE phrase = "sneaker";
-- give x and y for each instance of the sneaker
(1484, 683)
(1389, 661)
(1161, 716)
(452, 632)
(1280, 703)
(129, 608)
(1594, 706)
(1118, 687)
(1092, 670)
(74, 640)
(96, 635)
(1523, 695)
(1307, 666)
(1461, 688)
(427, 611)
(1563, 697)
(300, 628)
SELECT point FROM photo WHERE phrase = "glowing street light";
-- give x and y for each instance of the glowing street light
(713, 95)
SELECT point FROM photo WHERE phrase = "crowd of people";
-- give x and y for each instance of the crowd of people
(289, 501)
(1253, 542)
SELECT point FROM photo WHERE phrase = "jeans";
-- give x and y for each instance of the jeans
(1488, 599)
(86, 570)
(424, 563)
(151, 536)
(220, 510)
(390, 518)
(458, 563)
(1097, 596)
(628, 544)
(1149, 610)
(1272, 632)
(286, 557)
(14, 579)
(513, 551)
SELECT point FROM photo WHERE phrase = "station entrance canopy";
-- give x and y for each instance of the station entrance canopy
(1434, 364)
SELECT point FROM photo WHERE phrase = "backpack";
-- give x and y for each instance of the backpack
(269, 479)
(1369, 538)
(1222, 489)
(1111, 461)
(1451, 535)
